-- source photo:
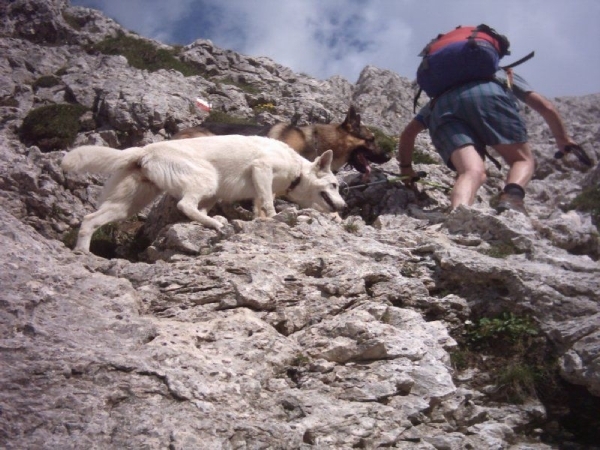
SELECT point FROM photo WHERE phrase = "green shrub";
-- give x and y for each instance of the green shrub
(222, 117)
(386, 143)
(69, 238)
(420, 157)
(500, 250)
(460, 359)
(143, 54)
(511, 349)
(245, 87)
(264, 107)
(73, 21)
(300, 360)
(52, 127)
(516, 383)
(46, 81)
(351, 226)
(504, 329)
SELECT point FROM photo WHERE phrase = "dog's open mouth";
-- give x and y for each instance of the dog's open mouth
(359, 161)
(328, 200)
(362, 157)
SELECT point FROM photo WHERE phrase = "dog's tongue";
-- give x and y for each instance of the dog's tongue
(366, 165)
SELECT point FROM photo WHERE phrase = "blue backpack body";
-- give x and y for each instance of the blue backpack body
(456, 64)
(462, 55)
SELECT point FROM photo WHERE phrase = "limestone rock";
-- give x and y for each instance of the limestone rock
(299, 332)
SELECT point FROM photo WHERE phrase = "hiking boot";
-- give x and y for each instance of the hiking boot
(510, 201)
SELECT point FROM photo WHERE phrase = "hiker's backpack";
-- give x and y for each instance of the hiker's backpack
(462, 55)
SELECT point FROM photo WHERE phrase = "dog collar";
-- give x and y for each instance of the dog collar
(294, 184)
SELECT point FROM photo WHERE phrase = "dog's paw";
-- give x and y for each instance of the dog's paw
(226, 231)
(335, 217)
(221, 220)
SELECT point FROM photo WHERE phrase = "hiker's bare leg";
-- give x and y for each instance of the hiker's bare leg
(521, 161)
(471, 175)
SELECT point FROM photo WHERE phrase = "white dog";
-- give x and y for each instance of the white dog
(201, 171)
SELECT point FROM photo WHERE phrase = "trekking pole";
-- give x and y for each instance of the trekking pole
(416, 179)
(347, 188)
(577, 151)
(356, 186)
(419, 179)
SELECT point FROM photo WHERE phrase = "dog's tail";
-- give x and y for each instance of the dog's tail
(97, 159)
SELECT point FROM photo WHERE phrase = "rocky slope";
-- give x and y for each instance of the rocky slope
(402, 326)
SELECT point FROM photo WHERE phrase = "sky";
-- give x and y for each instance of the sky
(323, 38)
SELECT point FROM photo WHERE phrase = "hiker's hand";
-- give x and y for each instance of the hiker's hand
(562, 143)
(577, 150)
(408, 176)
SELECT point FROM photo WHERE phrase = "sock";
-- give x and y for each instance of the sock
(514, 189)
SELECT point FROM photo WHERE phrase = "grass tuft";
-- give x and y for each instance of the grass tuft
(52, 127)
(144, 55)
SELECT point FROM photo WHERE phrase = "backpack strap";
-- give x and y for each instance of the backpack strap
(492, 159)
(509, 68)
(416, 100)
(520, 61)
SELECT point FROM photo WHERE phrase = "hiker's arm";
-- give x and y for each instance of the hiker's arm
(546, 109)
(406, 146)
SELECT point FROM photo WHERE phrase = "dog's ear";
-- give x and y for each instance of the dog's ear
(352, 120)
(323, 162)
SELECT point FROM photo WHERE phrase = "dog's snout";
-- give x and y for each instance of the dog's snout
(338, 205)
(381, 157)
(341, 207)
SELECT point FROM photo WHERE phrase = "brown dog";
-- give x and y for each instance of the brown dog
(351, 142)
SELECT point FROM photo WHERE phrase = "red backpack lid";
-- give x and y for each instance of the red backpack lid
(460, 34)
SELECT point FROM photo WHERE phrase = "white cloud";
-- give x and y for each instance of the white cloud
(329, 37)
